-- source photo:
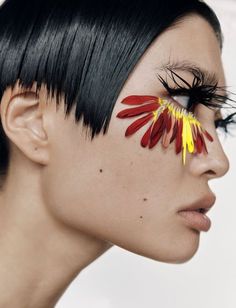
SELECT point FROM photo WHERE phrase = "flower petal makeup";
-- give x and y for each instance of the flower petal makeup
(168, 123)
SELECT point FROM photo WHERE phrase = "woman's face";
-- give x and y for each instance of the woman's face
(116, 190)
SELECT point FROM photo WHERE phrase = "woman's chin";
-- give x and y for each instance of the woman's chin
(179, 252)
(176, 250)
(177, 256)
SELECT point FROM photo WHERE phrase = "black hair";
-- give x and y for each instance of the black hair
(83, 49)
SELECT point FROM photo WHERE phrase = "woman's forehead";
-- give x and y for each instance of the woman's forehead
(191, 44)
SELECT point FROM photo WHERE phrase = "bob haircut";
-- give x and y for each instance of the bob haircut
(82, 49)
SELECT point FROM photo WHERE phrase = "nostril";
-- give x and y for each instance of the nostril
(211, 172)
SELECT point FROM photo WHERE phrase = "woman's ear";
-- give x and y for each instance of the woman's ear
(23, 121)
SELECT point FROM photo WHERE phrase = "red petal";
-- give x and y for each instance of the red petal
(138, 99)
(146, 136)
(209, 137)
(165, 139)
(194, 132)
(204, 144)
(131, 112)
(174, 132)
(169, 124)
(199, 145)
(157, 125)
(159, 130)
(155, 139)
(199, 142)
(137, 124)
(165, 115)
(178, 145)
(165, 118)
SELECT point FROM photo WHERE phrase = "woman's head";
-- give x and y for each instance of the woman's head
(93, 55)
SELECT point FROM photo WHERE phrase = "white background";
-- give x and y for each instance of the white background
(122, 279)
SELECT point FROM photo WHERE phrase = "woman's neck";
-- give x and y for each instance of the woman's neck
(39, 256)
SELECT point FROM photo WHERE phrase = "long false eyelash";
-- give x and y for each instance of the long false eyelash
(200, 91)
(223, 123)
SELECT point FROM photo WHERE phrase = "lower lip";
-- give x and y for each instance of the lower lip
(197, 220)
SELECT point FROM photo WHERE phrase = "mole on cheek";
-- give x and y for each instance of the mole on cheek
(100, 170)
(141, 216)
(144, 199)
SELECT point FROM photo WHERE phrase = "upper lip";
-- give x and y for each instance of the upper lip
(205, 203)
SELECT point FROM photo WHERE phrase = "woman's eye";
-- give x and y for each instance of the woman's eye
(182, 100)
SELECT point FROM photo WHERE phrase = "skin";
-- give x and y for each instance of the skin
(52, 226)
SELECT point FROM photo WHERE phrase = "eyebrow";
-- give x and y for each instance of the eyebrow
(210, 78)
(190, 67)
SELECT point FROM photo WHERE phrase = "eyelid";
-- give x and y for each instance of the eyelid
(174, 101)
(169, 96)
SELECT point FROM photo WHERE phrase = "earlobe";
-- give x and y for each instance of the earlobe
(23, 122)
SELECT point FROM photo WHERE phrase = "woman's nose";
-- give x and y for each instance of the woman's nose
(215, 164)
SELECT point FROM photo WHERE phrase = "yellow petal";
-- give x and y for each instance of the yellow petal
(189, 136)
(184, 139)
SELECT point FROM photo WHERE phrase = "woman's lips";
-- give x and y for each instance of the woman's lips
(196, 219)
(205, 203)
